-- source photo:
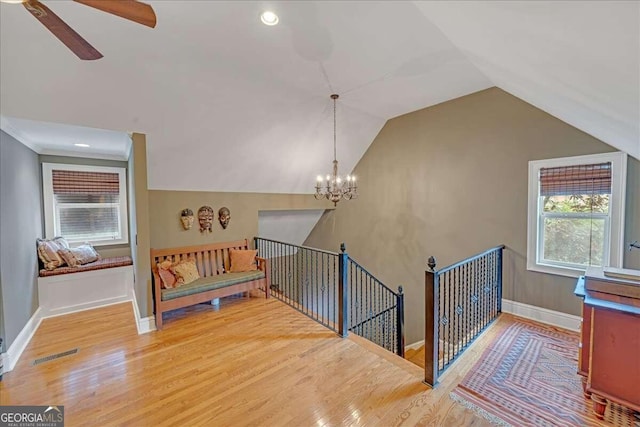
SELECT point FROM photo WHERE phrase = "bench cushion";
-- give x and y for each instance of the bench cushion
(120, 261)
(204, 284)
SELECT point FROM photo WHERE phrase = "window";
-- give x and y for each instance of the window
(576, 213)
(85, 203)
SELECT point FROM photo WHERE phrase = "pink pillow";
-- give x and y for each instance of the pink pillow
(166, 276)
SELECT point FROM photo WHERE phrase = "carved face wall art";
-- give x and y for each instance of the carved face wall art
(186, 217)
(205, 218)
(224, 216)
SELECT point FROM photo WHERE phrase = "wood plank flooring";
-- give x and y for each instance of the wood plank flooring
(252, 362)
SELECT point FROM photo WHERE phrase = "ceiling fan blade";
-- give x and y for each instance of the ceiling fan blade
(132, 10)
(62, 31)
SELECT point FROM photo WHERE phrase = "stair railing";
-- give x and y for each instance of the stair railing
(376, 311)
(461, 300)
(335, 291)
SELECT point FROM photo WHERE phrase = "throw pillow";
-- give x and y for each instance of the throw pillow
(185, 271)
(79, 255)
(48, 252)
(242, 260)
(166, 276)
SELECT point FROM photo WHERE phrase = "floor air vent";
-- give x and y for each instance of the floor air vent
(54, 356)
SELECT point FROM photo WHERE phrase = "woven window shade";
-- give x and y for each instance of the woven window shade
(579, 179)
(75, 182)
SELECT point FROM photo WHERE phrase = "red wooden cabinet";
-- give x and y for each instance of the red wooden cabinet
(609, 355)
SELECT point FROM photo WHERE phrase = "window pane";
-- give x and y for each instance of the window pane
(577, 203)
(87, 198)
(89, 223)
(574, 241)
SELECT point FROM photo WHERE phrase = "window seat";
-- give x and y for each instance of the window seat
(69, 289)
(120, 261)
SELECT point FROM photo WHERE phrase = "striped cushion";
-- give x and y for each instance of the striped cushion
(120, 261)
(204, 284)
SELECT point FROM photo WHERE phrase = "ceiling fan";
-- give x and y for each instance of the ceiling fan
(132, 10)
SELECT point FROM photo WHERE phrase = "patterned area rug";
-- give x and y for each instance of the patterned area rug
(527, 377)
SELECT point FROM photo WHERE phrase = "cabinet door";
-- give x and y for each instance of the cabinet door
(614, 371)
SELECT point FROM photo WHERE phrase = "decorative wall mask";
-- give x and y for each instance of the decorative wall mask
(205, 218)
(224, 216)
(186, 217)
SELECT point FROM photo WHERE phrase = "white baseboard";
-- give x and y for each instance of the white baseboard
(414, 346)
(144, 324)
(544, 315)
(11, 357)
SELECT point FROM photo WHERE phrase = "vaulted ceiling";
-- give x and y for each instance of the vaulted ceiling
(219, 94)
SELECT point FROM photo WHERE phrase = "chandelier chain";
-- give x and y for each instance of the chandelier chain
(335, 156)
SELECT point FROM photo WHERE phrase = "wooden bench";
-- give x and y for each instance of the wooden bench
(215, 281)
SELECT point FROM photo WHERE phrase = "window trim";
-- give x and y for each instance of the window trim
(49, 208)
(614, 252)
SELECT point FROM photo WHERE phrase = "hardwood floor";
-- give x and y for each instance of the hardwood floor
(252, 362)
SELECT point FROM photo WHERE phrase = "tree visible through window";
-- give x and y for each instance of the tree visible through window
(574, 229)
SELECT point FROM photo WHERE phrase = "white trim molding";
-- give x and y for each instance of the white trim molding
(414, 346)
(543, 315)
(144, 324)
(18, 345)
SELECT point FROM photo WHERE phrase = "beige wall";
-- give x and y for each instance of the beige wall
(139, 232)
(451, 181)
(165, 208)
(632, 215)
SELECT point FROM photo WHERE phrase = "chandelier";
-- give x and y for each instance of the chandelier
(334, 187)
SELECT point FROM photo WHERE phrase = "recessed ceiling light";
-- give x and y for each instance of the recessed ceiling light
(82, 145)
(269, 18)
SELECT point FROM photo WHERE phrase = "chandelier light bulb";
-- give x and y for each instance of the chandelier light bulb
(320, 178)
(328, 177)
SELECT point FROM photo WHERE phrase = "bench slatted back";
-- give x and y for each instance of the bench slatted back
(211, 259)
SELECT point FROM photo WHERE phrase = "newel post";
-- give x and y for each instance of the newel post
(431, 324)
(400, 321)
(343, 292)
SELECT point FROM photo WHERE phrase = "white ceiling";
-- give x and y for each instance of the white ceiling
(60, 139)
(229, 104)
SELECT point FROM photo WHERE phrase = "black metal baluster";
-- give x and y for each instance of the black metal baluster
(467, 301)
(454, 316)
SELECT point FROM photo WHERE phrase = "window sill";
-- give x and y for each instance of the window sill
(99, 243)
(558, 271)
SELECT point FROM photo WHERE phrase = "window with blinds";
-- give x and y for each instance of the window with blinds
(574, 214)
(85, 203)
(573, 207)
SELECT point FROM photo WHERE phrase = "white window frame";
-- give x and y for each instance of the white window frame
(614, 235)
(51, 219)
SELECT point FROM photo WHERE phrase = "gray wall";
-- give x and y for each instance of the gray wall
(20, 226)
(451, 181)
